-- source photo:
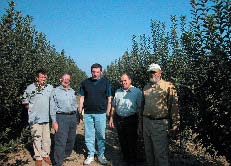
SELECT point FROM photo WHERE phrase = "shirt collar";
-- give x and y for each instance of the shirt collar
(157, 83)
(61, 87)
(128, 90)
(94, 80)
(36, 84)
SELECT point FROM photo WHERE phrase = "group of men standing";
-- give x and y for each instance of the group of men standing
(152, 112)
(60, 104)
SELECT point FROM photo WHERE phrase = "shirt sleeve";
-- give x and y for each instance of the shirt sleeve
(81, 90)
(139, 100)
(53, 106)
(75, 99)
(25, 97)
(114, 100)
(109, 89)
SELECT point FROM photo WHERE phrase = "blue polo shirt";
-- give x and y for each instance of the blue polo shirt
(38, 99)
(62, 100)
(127, 102)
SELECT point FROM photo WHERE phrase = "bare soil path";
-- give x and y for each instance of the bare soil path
(23, 157)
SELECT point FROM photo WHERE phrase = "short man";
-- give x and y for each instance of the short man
(64, 121)
(124, 113)
(95, 99)
(160, 116)
(36, 99)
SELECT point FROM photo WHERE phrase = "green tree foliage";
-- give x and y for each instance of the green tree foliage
(196, 57)
(23, 50)
(212, 84)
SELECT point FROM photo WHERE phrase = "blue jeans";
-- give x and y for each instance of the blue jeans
(94, 127)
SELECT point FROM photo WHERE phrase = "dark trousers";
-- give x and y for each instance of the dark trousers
(64, 137)
(127, 133)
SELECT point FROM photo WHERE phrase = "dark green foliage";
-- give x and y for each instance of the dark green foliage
(212, 84)
(196, 58)
(23, 50)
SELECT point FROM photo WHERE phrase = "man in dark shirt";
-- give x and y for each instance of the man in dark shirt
(95, 99)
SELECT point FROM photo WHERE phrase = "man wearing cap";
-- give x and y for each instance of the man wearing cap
(160, 117)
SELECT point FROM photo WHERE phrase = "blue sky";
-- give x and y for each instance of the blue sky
(96, 30)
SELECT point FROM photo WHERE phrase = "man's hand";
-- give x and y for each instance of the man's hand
(111, 122)
(55, 126)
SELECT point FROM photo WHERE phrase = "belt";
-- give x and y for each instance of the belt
(152, 118)
(66, 113)
(124, 117)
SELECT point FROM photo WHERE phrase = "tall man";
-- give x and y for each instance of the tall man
(95, 99)
(63, 115)
(160, 117)
(124, 113)
(36, 99)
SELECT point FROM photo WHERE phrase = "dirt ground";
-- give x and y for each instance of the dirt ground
(24, 156)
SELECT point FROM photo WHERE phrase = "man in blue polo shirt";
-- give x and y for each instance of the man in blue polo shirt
(126, 106)
(36, 99)
(95, 99)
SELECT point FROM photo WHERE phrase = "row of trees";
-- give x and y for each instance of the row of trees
(24, 50)
(196, 56)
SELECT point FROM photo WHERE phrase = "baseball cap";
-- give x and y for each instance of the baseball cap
(154, 67)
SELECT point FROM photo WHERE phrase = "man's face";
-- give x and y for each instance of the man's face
(154, 76)
(96, 73)
(125, 82)
(65, 80)
(41, 79)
